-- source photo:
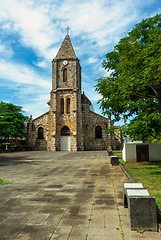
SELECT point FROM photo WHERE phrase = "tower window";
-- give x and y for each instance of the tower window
(62, 105)
(65, 77)
(40, 133)
(98, 132)
(68, 105)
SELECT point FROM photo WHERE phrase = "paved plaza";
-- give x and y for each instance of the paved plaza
(63, 196)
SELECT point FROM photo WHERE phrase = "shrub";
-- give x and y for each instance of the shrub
(155, 140)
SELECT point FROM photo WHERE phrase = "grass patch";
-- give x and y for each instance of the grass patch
(121, 161)
(149, 173)
(2, 182)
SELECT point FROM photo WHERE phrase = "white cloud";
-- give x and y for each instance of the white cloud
(89, 90)
(22, 74)
(5, 51)
(96, 26)
(100, 18)
(7, 26)
(33, 25)
(92, 60)
(35, 108)
(41, 24)
(41, 64)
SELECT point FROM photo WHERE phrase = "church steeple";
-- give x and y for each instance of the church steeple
(66, 50)
(66, 69)
(65, 102)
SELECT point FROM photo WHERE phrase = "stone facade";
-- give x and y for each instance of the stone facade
(70, 124)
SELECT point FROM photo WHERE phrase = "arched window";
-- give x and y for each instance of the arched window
(98, 132)
(65, 131)
(65, 77)
(62, 105)
(68, 105)
(40, 133)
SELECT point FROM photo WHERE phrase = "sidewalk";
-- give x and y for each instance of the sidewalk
(63, 196)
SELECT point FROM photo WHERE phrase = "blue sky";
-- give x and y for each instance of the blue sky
(32, 31)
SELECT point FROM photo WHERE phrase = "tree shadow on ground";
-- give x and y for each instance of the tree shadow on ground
(9, 160)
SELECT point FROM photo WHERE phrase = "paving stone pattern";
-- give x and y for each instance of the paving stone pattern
(63, 196)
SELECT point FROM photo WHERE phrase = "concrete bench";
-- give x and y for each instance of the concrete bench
(130, 186)
(114, 160)
(141, 206)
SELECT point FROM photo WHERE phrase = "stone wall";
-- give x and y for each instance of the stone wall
(81, 124)
(32, 139)
(90, 121)
(65, 119)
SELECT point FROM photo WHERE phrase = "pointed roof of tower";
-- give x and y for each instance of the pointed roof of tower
(66, 50)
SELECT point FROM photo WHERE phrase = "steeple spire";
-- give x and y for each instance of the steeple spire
(66, 50)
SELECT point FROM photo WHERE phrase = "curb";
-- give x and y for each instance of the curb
(126, 173)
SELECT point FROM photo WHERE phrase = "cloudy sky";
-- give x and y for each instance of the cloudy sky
(32, 31)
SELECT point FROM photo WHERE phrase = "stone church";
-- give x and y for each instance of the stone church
(71, 123)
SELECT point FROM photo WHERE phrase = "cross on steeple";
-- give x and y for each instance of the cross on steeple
(67, 28)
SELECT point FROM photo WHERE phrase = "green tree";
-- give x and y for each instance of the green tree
(133, 88)
(12, 121)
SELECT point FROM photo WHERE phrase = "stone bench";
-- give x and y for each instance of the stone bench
(130, 186)
(114, 160)
(141, 206)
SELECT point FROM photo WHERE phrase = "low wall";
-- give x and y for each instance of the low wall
(130, 151)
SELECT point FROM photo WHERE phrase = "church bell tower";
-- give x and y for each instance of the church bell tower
(65, 112)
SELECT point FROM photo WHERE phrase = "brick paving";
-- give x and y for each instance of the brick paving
(63, 196)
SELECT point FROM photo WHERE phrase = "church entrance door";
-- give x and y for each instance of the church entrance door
(65, 143)
(65, 139)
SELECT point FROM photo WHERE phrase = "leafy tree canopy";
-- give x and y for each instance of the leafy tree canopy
(133, 88)
(12, 121)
